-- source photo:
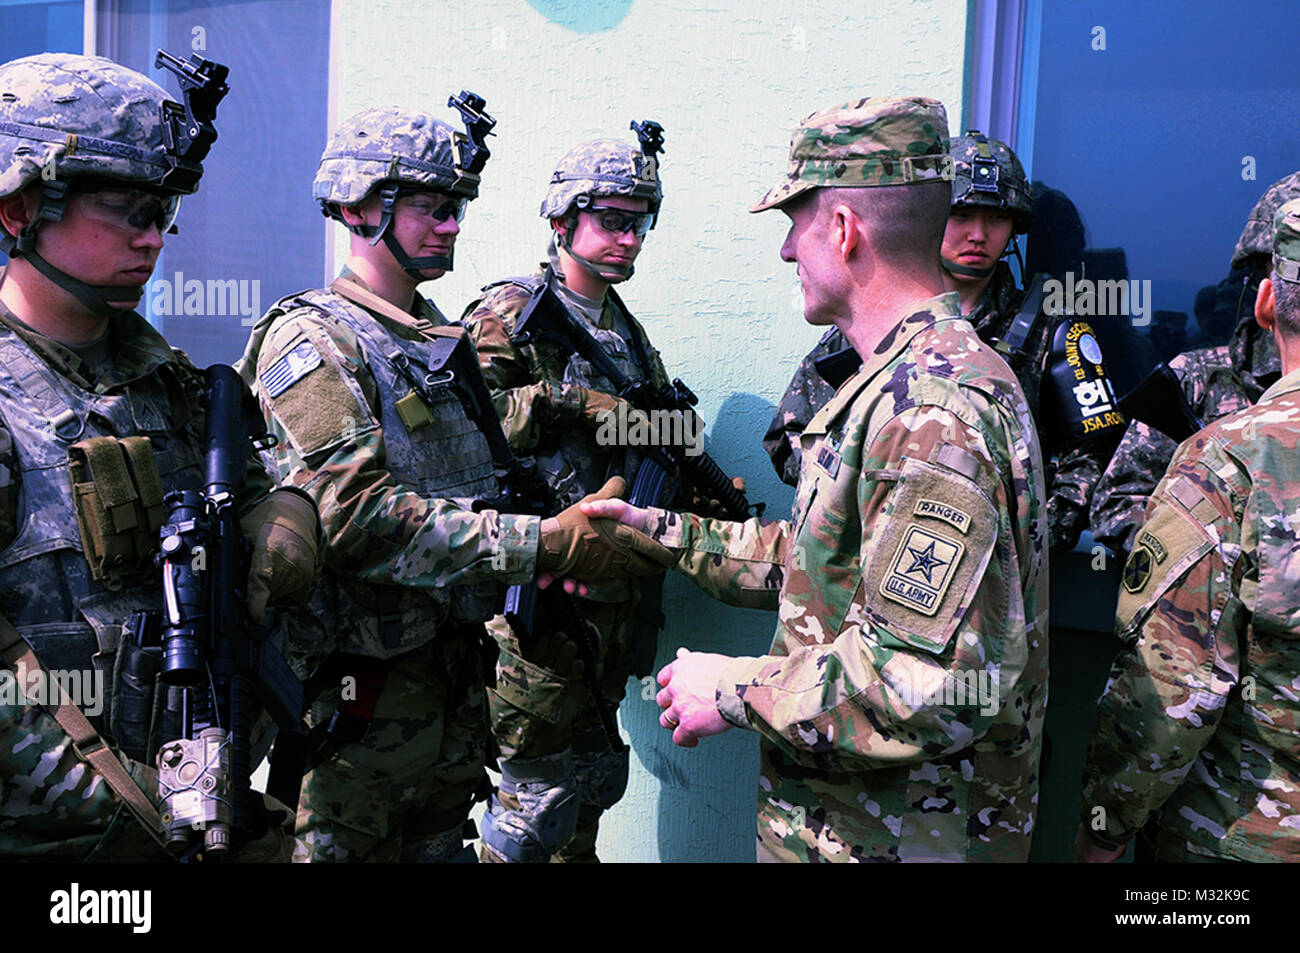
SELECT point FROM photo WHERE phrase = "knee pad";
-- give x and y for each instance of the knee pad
(534, 811)
(602, 777)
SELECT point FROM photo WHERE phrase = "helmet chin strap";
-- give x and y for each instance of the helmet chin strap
(966, 271)
(98, 299)
(614, 274)
(375, 233)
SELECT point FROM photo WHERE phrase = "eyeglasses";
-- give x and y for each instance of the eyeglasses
(618, 220)
(127, 209)
(429, 207)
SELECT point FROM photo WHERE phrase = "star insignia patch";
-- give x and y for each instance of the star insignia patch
(922, 569)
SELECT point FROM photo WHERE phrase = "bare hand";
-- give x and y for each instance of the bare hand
(571, 586)
(1088, 851)
(620, 510)
(689, 697)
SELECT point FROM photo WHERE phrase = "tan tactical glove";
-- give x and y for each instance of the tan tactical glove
(285, 530)
(572, 545)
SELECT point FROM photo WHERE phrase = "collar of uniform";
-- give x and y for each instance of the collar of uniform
(914, 320)
(1288, 383)
(425, 310)
(586, 307)
(138, 350)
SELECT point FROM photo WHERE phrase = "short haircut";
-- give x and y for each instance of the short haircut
(1286, 305)
(906, 222)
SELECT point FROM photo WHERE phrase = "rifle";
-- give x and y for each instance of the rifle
(1159, 402)
(454, 364)
(211, 654)
(546, 318)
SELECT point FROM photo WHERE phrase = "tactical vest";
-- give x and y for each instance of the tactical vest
(448, 458)
(569, 459)
(47, 592)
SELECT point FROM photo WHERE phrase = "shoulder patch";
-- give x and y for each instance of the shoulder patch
(290, 368)
(922, 569)
(925, 576)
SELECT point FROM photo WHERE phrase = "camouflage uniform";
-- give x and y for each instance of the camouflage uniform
(53, 805)
(1216, 381)
(543, 397)
(414, 572)
(1198, 719)
(1072, 474)
(913, 571)
(921, 468)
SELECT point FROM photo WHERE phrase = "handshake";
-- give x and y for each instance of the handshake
(600, 537)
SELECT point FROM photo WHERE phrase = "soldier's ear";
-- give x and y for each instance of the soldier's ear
(16, 211)
(1265, 305)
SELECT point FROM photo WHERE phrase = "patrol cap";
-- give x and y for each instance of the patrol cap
(1286, 241)
(880, 140)
(1257, 237)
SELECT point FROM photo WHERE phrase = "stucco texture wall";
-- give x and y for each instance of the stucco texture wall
(728, 80)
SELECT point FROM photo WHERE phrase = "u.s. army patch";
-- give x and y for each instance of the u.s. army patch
(922, 569)
(291, 368)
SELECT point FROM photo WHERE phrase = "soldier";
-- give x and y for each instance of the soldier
(100, 418)
(1216, 381)
(1197, 723)
(358, 382)
(991, 204)
(603, 199)
(901, 706)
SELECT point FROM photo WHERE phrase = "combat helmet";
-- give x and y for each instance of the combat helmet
(1257, 237)
(81, 120)
(987, 173)
(393, 152)
(601, 168)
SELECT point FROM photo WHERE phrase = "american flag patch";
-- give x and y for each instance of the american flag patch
(290, 368)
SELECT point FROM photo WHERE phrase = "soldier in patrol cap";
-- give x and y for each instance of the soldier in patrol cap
(99, 417)
(358, 382)
(991, 205)
(901, 704)
(559, 769)
(1216, 381)
(1199, 721)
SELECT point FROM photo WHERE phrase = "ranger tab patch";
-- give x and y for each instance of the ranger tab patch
(291, 368)
(922, 569)
(958, 519)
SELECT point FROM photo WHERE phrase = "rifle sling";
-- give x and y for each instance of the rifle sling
(86, 741)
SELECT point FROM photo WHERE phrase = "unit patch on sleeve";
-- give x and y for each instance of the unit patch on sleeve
(922, 569)
(291, 368)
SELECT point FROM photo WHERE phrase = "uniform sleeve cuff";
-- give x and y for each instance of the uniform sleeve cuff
(736, 675)
(519, 542)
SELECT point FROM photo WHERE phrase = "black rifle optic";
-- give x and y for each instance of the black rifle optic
(453, 365)
(188, 130)
(546, 318)
(211, 652)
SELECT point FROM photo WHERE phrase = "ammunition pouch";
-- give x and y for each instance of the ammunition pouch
(119, 502)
